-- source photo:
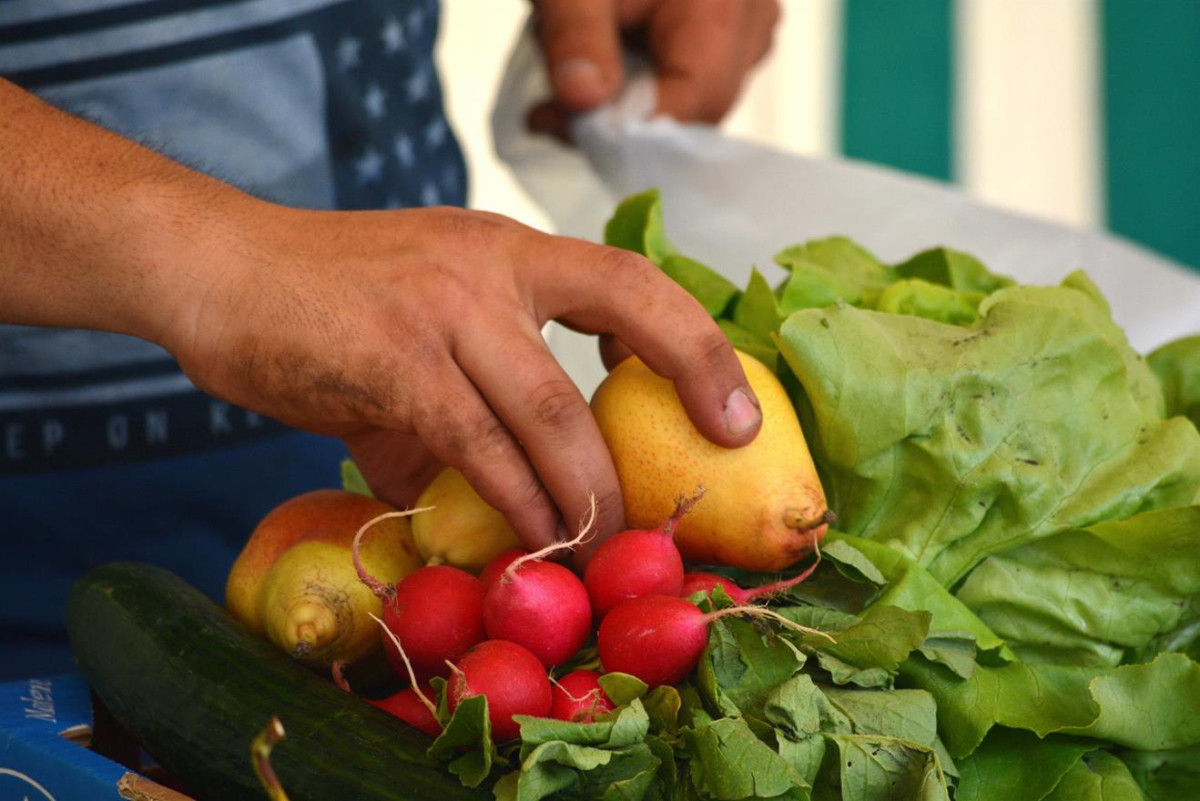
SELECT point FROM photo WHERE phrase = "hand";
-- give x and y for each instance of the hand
(702, 51)
(415, 336)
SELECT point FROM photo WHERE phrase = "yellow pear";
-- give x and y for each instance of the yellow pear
(462, 530)
(295, 583)
(763, 507)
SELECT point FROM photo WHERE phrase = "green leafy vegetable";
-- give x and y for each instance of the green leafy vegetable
(955, 443)
(730, 764)
(352, 479)
(953, 269)
(637, 225)
(1009, 758)
(467, 742)
(1098, 776)
(919, 298)
(1165, 775)
(887, 769)
(1015, 608)
(826, 271)
(1177, 365)
(714, 291)
(1093, 595)
(1151, 706)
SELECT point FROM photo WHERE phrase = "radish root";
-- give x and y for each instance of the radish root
(383, 592)
(591, 698)
(338, 671)
(412, 676)
(767, 590)
(770, 614)
(586, 525)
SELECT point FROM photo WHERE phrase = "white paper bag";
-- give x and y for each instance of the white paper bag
(733, 204)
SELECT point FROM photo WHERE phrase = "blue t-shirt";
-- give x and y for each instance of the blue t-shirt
(107, 451)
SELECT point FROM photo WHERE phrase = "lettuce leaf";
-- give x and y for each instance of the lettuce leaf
(1153, 706)
(875, 768)
(1177, 365)
(1098, 776)
(1165, 775)
(729, 763)
(954, 269)
(466, 742)
(1010, 758)
(826, 271)
(1096, 596)
(952, 444)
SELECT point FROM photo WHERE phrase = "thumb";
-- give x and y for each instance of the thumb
(582, 45)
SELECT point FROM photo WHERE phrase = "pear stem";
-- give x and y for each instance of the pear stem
(683, 505)
(794, 518)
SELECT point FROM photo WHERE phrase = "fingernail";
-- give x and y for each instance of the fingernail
(741, 412)
(578, 80)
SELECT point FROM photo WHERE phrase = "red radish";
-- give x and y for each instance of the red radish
(700, 581)
(513, 680)
(412, 705)
(636, 563)
(540, 605)
(436, 611)
(409, 707)
(660, 639)
(578, 697)
(499, 564)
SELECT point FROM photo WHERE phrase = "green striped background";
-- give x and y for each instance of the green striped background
(898, 106)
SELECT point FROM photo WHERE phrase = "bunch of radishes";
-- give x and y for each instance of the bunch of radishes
(501, 633)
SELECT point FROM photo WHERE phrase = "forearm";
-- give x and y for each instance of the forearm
(99, 232)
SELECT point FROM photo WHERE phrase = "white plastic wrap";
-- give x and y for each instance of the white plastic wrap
(733, 204)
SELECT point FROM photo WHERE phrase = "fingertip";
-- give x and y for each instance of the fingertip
(742, 415)
(678, 99)
(580, 84)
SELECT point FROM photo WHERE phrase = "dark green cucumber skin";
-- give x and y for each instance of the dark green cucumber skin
(195, 688)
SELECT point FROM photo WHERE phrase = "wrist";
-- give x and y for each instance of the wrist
(189, 236)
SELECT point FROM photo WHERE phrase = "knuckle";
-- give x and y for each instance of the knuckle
(624, 266)
(487, 438)
(528, 492)
(557, 404)
(472, 437)
(470, 229)
(714, 351)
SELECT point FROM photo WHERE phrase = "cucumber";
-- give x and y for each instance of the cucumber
(195, 689)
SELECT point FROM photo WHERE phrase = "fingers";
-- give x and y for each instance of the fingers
(461, 429)
(582, 49)
(604, 290)
(613, 351)
(548, 118)
(397, 466)
(704, 50)
(544, 409)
